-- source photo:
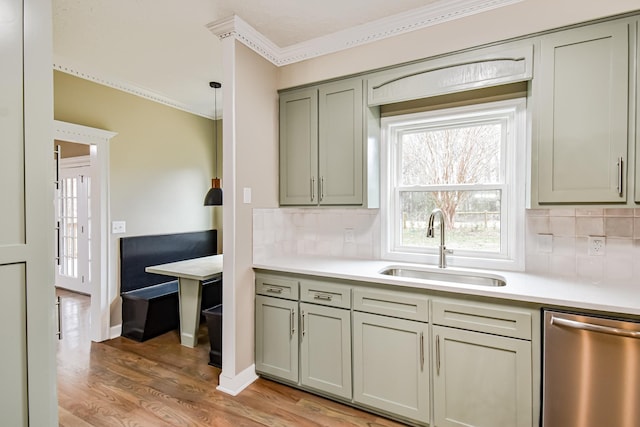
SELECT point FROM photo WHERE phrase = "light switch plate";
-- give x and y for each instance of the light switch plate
(118, 227)
(246, 195)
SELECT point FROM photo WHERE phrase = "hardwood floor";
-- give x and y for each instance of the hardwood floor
(122, 382)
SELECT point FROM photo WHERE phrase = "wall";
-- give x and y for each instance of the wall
(525, 17)
(251, 147)
(161, 161)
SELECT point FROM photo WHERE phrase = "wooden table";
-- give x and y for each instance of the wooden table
(190, 273)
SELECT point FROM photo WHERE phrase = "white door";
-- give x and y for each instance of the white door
(74, 228)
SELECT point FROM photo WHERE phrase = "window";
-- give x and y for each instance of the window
(467, 161)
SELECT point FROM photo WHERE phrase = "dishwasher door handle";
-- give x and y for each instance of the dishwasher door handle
(574, 324)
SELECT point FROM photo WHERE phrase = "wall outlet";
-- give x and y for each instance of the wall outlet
(349, 237)
(597, 245)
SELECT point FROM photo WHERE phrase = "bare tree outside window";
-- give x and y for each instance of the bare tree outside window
(437, 165)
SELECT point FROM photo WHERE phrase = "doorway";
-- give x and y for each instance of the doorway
(93, 260)
(73, 223)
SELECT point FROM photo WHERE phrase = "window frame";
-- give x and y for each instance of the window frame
(512, 170)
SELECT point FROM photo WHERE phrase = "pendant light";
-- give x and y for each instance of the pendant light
(214, 195)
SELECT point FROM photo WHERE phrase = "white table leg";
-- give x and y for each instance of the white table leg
(190, 296)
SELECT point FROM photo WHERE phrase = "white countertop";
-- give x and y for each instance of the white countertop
(197, 268)
(520, 286)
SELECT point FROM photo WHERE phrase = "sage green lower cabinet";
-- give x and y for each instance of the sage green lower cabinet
(277, 337)
(325, 349)
(391, 365)
(480, 380)
(423, 358)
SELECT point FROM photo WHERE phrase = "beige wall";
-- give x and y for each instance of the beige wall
(525, 17)
(161, 161)
(256, 168)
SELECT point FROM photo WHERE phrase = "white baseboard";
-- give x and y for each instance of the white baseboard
(115, 331)
(235, 385)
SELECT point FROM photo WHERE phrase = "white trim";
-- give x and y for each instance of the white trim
(229, 298)
(115, 331)
(103, 272)
(416, 19)
(75, 162)
(235, 385)
(66, 66)
(512, 253)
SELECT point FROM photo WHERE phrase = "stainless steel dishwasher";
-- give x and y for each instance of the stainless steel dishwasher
(591, 371)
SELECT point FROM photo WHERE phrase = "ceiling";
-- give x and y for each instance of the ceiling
(163, 50)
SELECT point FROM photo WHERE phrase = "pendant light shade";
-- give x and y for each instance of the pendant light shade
(214, 195)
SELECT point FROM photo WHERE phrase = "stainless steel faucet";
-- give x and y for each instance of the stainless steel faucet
(443, 251)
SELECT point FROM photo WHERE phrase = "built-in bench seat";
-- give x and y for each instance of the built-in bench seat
(150, 301)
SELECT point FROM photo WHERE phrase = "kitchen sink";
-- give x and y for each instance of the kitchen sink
(453, 277)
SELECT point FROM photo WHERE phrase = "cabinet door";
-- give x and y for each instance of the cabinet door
(27, 372)
(277, 338)
(390, 365)
(341, 144)
(480, 379)
(299, 147)
(582, 107)
(325, 349)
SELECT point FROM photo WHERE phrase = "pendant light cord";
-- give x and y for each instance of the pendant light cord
(215, 86)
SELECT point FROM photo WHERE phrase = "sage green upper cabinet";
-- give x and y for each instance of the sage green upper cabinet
(480, 68)
(340, 146)
(299, 147)
(581, 103)
(321, 145)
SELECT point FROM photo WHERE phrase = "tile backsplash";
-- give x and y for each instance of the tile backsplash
(556, 239)
(569, 231)
(352, 233)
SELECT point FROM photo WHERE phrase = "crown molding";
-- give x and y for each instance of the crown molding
(433, 14)
(61, 65)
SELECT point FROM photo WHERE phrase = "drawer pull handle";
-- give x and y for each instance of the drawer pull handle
(438, 354)
(313, 184)
(323, 297)
(620, 176)
(59, 309)
(292, 322)
(303, 329)
(274, 290)
(421, 351)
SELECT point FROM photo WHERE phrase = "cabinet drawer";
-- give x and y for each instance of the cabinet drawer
(391, 303)
(277, 286)
(483, 317)
(325, 293)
